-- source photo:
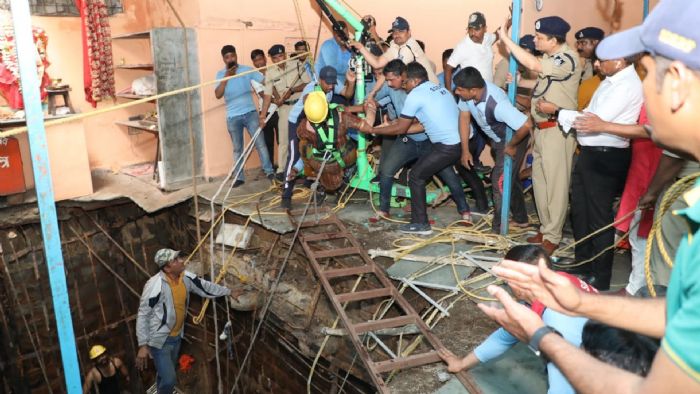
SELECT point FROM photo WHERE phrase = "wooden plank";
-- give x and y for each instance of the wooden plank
(407, 362)
(340, 272)
(364, 295)
(383, 323)
(323, 254)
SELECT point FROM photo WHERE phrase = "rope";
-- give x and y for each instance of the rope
(85, 115)
(263, 313)
(593, 234)
(672, 194)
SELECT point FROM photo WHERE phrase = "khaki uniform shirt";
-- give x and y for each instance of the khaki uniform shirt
(587, 71)
(558, 82)
(282, 80)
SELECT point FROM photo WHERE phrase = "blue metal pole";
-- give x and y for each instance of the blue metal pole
(27, 57)
(512, 88)
(646, 8)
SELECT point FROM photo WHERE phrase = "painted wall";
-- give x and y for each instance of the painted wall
(249, 25)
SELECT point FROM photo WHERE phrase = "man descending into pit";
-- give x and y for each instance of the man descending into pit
(162, 311)
(322, 137)
(106, 374)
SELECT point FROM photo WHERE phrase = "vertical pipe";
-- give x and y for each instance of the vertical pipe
(26, 54)
(512, 88)
(645, 10)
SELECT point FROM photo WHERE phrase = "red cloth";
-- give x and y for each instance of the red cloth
(539, 308)
(645, 160)
(9, 69)
(98, 65)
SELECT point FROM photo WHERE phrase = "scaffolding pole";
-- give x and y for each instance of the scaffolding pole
(27, 57)
(512, 91)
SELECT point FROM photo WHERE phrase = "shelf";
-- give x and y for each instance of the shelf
(144, 66)
(133, 96)
(128, 36)
(135, 124)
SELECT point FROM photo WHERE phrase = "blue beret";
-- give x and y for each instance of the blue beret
(553, 26)
(592, 33)
(276, 49)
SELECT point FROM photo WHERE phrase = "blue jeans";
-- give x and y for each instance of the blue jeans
(235, 129)
(165, 360)
(402, 153)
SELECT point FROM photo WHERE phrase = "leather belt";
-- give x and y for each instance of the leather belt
(602, 148)
(290, 102)
(546, 124)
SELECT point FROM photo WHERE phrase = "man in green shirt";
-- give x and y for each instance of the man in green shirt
(670, 37)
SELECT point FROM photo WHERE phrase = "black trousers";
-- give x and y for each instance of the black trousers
(476, 185)
(428, 165)
(270, 132)
(598, 178)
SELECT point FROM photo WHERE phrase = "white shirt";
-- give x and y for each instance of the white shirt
(480, 56)
(409, 52)
(618, 99)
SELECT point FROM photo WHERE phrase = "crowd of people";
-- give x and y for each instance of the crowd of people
(604, 144)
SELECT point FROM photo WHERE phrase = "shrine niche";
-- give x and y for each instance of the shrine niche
(10, 87)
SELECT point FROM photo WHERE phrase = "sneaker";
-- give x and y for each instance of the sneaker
(286, 203)
(416, 228)
(238, 183)
(279, 176)
(466, 219)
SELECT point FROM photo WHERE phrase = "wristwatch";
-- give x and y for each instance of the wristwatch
(534, 344)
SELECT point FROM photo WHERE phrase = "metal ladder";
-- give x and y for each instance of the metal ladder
(387, 289)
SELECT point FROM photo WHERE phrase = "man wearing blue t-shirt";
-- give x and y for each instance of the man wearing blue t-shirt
(335, 53)
(435, 108)
(491, 109)
(240, 110)
(408, 149)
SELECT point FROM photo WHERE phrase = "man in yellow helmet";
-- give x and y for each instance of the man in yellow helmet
(322, 134)
(104, 375)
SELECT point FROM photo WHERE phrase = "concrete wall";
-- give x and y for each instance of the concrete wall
(249, 25)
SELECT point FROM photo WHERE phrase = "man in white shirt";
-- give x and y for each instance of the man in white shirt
(601, 169)
(403, 47)
(475, 50)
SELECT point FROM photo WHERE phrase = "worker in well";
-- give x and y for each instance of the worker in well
(322, 136)
(105, 373)
(558, 77)
(161, 317)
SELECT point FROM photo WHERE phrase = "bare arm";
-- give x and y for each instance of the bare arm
(448, 76)
(589, 375)
(374, 61)
(668, 170)
(122, 368)
(401, 126)
(456, 364)
(221, 87)
(521, 133)
(464, 120)
(89, 381)
(646, 316)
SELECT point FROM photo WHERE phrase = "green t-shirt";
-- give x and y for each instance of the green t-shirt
(681, 340)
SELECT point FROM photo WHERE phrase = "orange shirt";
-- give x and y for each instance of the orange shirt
(179, 292)
(586, 90)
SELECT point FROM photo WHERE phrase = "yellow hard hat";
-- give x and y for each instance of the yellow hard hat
(97, 351)
(316, 107)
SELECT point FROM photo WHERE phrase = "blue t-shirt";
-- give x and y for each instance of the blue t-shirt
(494, 112)
(437, 111)
(397, 98)
(331, 54)
(237, 95)
(571, 328)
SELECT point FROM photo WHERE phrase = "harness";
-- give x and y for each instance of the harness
(550, 79)
(326, 132)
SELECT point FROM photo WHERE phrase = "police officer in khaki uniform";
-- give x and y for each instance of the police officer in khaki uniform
(559, 75)
(587, 40)
(283, 85)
